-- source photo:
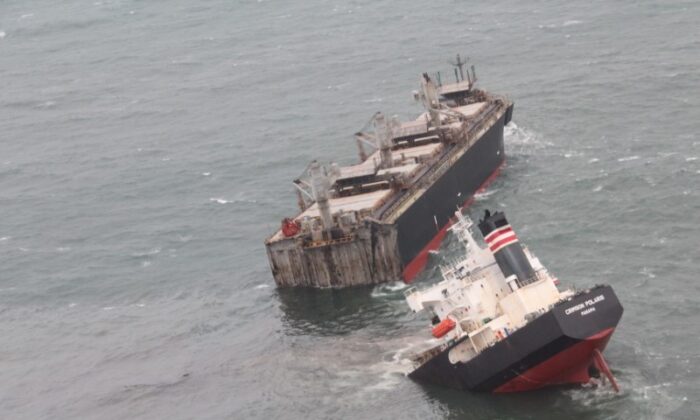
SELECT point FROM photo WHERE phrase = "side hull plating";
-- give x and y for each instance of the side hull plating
(422, 227)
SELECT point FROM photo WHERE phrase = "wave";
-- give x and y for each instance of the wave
(523, 139)
(240, 199)
(628, 158)
(152, 251)
(388, 289)
(564, 24)
(572, 23)
(485, 194)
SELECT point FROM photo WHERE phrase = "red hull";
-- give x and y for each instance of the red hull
(570, 366)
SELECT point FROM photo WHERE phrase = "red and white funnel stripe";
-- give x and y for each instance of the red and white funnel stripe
(500, 238)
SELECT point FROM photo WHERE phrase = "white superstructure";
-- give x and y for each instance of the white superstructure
(475, 299)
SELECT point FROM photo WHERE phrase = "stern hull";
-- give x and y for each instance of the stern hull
(554, 349)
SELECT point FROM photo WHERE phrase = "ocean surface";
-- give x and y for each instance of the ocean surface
(147, 149)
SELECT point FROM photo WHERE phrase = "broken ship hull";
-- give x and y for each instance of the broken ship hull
(395, 245)
(556, 348)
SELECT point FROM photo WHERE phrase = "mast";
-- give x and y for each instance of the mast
(320, 184)
(384, 136)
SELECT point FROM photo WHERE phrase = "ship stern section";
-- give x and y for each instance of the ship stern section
(558, 347)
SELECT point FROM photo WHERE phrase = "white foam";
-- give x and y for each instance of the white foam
(219, 200)
(262, 286)
(690, 159)
(396, 286)
(26, 16)
(592, 394)
(560, 25)
(2, 34)
(571, 23)
(72, 305)
(523, 138)
(152, 251)
(598, 188)
(206, 173)
(572, 153)
(628, 158)
(388, 289)
(387, 382)
(485, 194)
(5, 238)
(593, 160)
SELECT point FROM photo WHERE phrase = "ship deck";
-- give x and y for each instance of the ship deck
(416, 163)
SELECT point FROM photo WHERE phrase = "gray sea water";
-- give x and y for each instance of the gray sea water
(148, 148)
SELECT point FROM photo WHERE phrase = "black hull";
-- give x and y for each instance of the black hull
(560, 339)
(417, 226)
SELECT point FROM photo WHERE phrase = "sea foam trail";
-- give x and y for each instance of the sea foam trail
(523, 139)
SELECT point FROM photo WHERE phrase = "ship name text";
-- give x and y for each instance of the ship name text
(585, 307)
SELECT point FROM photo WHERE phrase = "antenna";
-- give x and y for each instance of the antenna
(459, 64)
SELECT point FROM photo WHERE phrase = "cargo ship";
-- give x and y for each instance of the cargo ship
(500, 323)
(377, 220)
